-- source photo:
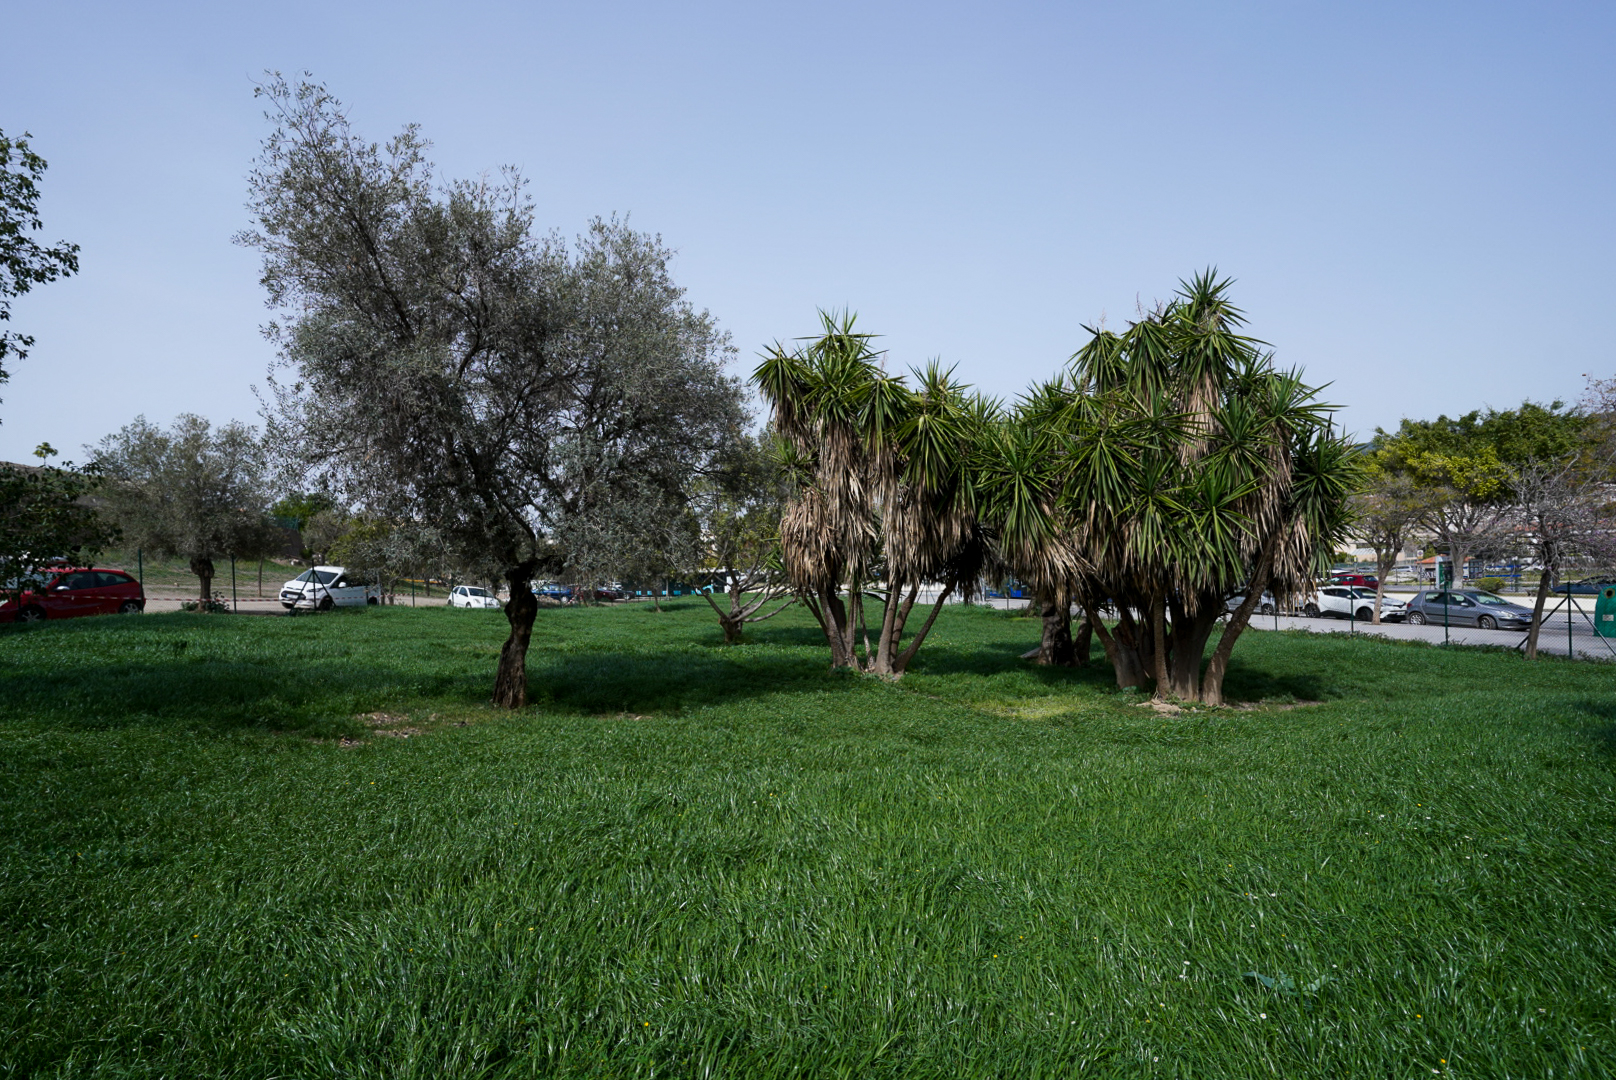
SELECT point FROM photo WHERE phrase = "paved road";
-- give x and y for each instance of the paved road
(1584, 644)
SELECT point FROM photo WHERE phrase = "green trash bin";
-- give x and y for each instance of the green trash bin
(1605, 612)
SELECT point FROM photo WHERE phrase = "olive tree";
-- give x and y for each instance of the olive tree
(443, 363)
(191, 491)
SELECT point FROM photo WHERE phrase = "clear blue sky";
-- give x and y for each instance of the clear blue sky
(1415, 198)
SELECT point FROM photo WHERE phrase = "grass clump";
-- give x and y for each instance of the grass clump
(697, 860)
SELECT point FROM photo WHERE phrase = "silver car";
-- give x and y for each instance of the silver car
(1468, 607)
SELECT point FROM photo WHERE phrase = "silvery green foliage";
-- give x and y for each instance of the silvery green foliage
(443, 364)
(375, 549)
(192, 490)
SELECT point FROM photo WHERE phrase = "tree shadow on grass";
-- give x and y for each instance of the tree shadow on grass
(1602, 732)
(175, 671)
(1244, 682)
(608, 682)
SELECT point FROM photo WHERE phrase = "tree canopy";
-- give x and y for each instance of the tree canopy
(191, 491)
(24, 261)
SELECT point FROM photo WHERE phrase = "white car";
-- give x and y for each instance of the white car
(1265, 603)
(325, 587)
(1351, 601)
(470, 596)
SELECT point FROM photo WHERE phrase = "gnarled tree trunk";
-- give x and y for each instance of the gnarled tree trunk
(202, 567)
(1120, 649)
(510, 682)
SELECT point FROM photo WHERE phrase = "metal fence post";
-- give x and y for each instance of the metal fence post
(232, 584)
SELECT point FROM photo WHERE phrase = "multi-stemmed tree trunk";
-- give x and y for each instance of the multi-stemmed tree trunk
(1171, 457)
(880, 507)
(744, 606)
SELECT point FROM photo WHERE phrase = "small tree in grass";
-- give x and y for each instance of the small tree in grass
(191, 491)
(1386, 511)
(739, 509)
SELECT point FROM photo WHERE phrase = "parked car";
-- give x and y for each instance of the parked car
(470, 596)
(67, 593)
(1367, 581)
(1585, 587)
(1469, 607)
(1265, 603)
(549, 590)
(604, 594)
(1354, 601)
(321, 588)
(1009, 590)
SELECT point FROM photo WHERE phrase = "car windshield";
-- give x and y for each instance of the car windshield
(1364, 594)
(476, 592)
(1490, 599)
(319, 577)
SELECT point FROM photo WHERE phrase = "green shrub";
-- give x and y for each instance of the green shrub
(1491, 584)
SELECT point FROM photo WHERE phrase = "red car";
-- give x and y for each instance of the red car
(63, 594)
(1367, 581)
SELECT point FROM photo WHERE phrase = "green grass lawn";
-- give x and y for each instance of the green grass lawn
(697, 861)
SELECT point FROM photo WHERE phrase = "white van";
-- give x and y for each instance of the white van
(325, 587)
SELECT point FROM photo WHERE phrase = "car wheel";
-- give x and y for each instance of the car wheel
(129, 607)
(31, 614)
(1311, 610)
(1365, 615)
(327, 604)
(1417, 618)
(1486, 622)
(1266, 609)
